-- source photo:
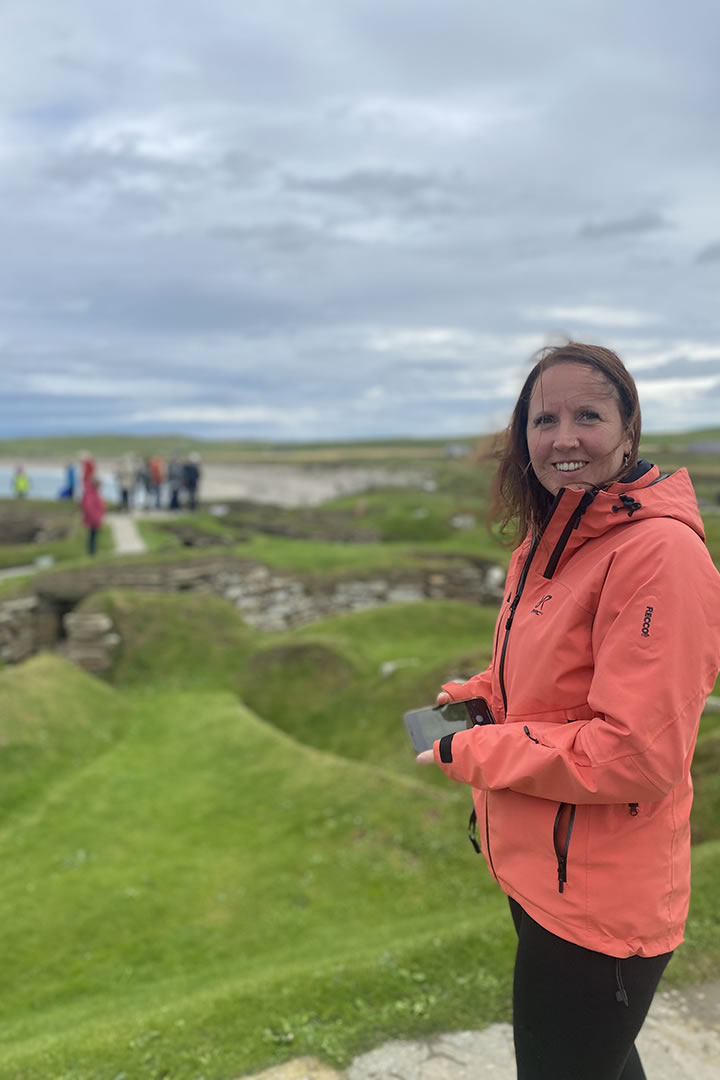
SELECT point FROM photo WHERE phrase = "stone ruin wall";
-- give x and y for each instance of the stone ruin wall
(267, 599)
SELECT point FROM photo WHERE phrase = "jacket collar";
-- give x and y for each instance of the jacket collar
(566, 527)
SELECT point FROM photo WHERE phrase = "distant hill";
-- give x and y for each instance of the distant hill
(68, 447)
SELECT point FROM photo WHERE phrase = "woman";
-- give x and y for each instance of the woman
(93, 508)
(605, 650)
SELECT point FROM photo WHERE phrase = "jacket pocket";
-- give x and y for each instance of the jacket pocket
(562, 833)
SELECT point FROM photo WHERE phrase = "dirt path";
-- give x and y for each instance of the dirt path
(680, 1041)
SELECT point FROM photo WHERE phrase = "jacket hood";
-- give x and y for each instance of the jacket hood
(578, 515)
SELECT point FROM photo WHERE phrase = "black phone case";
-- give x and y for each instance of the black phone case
(426, 725)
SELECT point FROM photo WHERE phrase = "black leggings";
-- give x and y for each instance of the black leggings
(576, 1013)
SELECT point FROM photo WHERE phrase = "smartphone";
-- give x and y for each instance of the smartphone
(431, 723)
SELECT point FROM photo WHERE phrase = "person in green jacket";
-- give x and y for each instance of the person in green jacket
(21, 483)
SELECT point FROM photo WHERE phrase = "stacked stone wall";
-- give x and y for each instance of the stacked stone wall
(267, 599)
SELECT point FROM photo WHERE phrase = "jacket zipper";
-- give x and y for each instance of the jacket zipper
(562, 854)
(511, 615)
(501, 672)
(501, 667)
(487, 837)
(572, 523)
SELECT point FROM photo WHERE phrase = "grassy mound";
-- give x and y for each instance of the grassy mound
(174, 639)
(53, 721)
(192, 888)
(65, 537)
(339, 684)
(207, 894)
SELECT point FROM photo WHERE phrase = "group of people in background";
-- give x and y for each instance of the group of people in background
(149, 482)
(143, 483)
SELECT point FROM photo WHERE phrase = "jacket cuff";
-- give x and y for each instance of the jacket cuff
(444, 748)
(449, 753)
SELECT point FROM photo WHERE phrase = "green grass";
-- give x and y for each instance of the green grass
(410, 542)
(225, 855)
(372, 451)
(71, 549)
(192, 887)
(201, 885)
(322, 683)
(313, 557)
(655, 445)
(67, 549)
(190, 890)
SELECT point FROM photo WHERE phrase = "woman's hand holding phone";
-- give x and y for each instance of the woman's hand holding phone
(427, 757)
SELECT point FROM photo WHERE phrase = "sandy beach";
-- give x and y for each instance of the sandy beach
(284, 485)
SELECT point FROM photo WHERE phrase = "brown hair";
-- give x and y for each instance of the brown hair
(518, 495)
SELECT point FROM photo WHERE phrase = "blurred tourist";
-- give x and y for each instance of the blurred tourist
(68, 489)
(191, 479)
(175, 476)
(88, 468)
(143, 483)
(157, 479)
(125, 478)
(21, 483)
(93, 509)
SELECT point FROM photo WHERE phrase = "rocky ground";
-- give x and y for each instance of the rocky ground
(680, 1041)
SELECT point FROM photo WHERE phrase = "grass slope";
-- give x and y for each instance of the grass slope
(321, 683)
(207, 894)
(71, 547)
(193, 888)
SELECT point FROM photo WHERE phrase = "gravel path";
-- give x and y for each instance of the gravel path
(680, 1041)
(126, 538)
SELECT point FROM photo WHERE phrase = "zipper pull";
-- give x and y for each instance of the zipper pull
(526, 729)
(633, 807)
(513, 608)
(473, 831)
(562, 872)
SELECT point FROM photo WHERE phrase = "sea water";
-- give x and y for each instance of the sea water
(47, 483)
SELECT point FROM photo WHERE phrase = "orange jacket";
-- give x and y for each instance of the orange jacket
(605, 651)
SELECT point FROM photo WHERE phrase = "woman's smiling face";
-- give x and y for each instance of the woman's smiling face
(575, 433)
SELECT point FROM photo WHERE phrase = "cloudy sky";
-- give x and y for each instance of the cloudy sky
(307, 219)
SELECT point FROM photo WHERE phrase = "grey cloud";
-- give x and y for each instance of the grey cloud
(196, 308)
(680, 367)
(87, 165)
(282, 238)
(364, 184)
(383, 190)
(646, 222)
(334, 172)
(244, 167)
(711, 253)
(431, 367)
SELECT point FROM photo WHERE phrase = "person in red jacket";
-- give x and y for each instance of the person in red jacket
(93, 509)
(88, 468)
(606, 648)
